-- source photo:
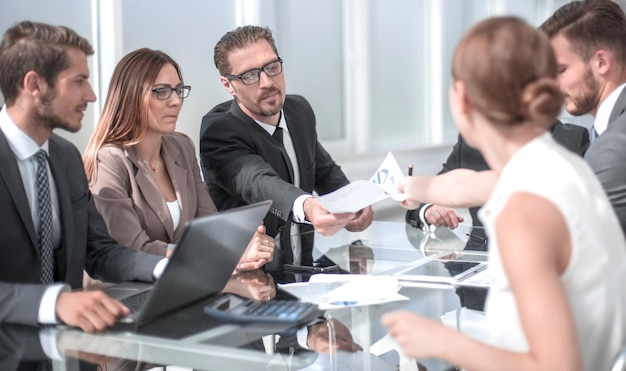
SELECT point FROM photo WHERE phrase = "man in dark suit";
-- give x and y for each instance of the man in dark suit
(263, 145)
(44, 249)
(572, 137)
(588, 41)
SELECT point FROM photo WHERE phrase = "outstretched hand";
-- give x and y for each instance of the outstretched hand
(417, 336)
(406, 186)
(325, 222)
(361, 220)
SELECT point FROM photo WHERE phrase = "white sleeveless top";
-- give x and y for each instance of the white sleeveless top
(595, 277)
(174, 212)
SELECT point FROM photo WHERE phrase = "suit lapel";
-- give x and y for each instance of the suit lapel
(10, 175)
(237, 112)
(59, 174)
(620, 106)
(151, 193)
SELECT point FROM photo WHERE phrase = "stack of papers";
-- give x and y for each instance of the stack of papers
(362, 193)
(331, 291)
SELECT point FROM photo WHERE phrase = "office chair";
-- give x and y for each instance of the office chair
(619, 364)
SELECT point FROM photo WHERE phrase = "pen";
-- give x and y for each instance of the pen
(476, 238)
(410, 169)
(344, 303)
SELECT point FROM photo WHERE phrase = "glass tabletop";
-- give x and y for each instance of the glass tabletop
(348, 338)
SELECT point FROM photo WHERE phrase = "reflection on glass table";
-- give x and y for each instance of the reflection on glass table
(341, 338)
(386, 245)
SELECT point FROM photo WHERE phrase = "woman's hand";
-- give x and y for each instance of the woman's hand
(260, 250)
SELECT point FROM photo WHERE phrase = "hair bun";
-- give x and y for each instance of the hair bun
(542, 100)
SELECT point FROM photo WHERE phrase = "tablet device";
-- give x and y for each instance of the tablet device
(440, 271)
(466, 255)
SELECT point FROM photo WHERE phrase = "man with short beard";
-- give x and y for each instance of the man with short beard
(263, 145)
(50, 227)
(588, 38)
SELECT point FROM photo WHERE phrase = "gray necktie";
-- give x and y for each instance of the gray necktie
(45, 219)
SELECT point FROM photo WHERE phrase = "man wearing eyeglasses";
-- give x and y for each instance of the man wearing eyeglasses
(263, 145)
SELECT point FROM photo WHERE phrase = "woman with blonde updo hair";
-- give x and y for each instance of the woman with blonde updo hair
(557, 255)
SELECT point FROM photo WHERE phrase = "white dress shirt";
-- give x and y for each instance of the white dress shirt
(24, 148)
(601, 121)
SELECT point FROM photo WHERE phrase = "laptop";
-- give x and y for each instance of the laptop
(206, 254)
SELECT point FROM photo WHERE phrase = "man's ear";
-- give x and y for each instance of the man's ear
(227, 85)
(602, 62)
(34, 84)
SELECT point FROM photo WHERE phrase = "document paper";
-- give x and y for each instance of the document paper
(362, 193)
(330, 291)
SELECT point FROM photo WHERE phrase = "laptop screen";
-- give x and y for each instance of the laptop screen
(206, 254)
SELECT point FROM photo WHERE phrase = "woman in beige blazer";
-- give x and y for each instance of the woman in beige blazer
(145, 176)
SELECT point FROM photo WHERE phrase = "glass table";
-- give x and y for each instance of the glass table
(341, 339)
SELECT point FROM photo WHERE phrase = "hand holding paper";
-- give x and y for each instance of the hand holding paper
(361, 193)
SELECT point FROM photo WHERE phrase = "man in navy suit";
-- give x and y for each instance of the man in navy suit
(263, 145)
(44, 81)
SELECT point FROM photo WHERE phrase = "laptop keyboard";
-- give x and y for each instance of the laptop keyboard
(136, 302)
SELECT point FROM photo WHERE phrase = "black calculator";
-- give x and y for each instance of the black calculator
(234, 308)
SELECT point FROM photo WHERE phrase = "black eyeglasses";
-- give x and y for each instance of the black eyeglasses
(166, 92)
(253, 76)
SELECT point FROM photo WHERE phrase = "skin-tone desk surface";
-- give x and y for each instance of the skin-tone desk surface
(341, 339)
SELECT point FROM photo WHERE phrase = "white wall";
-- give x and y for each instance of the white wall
(375, 71)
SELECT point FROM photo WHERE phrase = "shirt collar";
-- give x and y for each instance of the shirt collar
(601, 121)
(271, 128)
(21, 144)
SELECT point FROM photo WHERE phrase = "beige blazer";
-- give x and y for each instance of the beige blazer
(130, 202)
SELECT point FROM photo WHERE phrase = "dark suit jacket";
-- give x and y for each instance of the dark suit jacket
(243, 164)
(573, 137)
(607, 158)
(85, 243)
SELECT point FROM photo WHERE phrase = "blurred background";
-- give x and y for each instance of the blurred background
(376, 72)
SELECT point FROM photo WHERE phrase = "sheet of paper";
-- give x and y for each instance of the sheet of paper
(361, 193)
(387, 177)
(331, 291)
(352, 197)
